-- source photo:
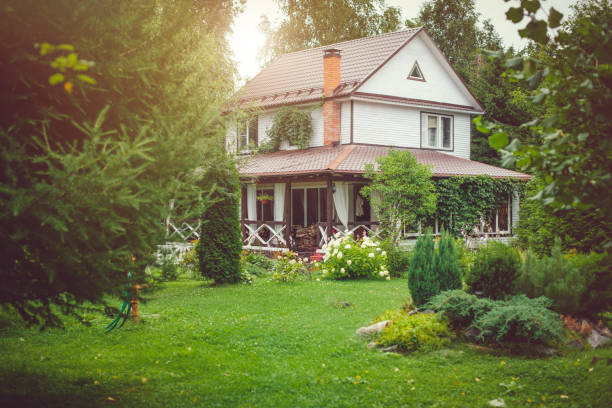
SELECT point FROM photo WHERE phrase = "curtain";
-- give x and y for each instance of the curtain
(341, 202)
(252, 202)
(279, 204)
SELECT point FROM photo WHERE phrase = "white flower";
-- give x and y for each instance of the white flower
(371, 255)
(339, 255)
(342, 271)
(378, 249)
(292, 261)
(335, 251)
(388, 278)
(383, 253)
(306, 259)
(349, 262)
(347, 246)
(279, 257)
(318, 280)
(381, 273)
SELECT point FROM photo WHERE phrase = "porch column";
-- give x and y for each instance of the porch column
(243, 207)
(328, 205)
(287, 214)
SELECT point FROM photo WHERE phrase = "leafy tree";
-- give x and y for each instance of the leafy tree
(313, 23)
(574, 142)
(91, 157)
(423, 280)
(402, 191)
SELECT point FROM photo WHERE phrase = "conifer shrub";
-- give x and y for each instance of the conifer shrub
(447, 264)
(422, 279)
(417, 332)
(460, 307)
(221, 243)
(495, 270)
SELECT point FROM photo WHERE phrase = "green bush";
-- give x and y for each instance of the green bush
(461, 308)
(255, 270)
(422, 280)
(418, 332)
(495, 270)
(345, 258)
(520, 320)
(260, 260)
(221, 243)
(398, 261)
(288, 268)
(447, 264)
(169, 269)
(466, 257)
(597, 269)
(555, 277)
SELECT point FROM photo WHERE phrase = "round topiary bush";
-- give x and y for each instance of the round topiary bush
(495, 270)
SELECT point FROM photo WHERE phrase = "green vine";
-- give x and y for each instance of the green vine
(463, 200)
(290, 124)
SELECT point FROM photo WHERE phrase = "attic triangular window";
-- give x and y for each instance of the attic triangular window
(415, 72)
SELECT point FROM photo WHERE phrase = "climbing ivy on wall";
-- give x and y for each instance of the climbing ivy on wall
(290, 124)
(463, 200)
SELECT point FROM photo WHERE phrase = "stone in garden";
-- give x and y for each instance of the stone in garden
(375, 328)
(410, 313)
(471, 334)
(389, 349)
(428, 311)
(586, 327)
(595, 339)
(575, 343)
(545, 351)
(499, 402)
(372, 345)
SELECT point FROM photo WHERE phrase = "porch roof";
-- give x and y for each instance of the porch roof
(352, 158)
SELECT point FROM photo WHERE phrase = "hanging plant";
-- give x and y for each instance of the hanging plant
(264, 198)
(290, 124)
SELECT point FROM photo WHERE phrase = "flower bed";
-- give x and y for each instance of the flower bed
(346, 258)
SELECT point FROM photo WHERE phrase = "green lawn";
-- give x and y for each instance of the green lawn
(273, 345)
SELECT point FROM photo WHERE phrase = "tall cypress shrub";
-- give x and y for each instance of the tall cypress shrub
(422, 279)
(447, 264)
(220, 240)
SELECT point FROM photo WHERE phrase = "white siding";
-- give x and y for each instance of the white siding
(515, 209)
(317, 127)
(440, 85)
(383, 124)
(462, 128)
(345, 123)
(264, 122)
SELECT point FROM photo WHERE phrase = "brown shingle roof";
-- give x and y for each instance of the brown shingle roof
(298, 76)
(352, 159)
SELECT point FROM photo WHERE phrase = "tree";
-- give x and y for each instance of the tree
(402, 191)
(447, 263)
(423, 281)
(92, 153)
(313, 23)
(574, 141)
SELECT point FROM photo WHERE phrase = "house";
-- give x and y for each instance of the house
(365, 96)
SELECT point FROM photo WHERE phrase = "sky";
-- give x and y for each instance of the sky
(246, 39)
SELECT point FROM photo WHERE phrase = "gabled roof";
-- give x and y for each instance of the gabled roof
(352, 158)
(297, 77)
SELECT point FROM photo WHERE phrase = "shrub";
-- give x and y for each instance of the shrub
(422, 280)
(520, 320)
(466, 257)
(260, 260)
(221, 243)
(495, 270)
(346, 258)
(555, 277)
(461, 308)
(597, 269)
(169, 269)
(417, 332)
(398, 261)
(447, 264)
(255, 270)
(288, 268)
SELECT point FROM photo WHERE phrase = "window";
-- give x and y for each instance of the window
(265, 208)
(437, 131)
(499, 221)
(415, 73)
(247, 133)
(308, 206)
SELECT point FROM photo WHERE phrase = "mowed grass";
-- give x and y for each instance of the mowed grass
(274, 345)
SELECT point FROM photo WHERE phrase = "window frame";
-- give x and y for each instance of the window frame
(412, 78)
(424, 116)
(244, 128)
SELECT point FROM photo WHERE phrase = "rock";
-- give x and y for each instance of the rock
(471, 334)
(375, 328)
(586, 327)
(595, 339)
(389, 349)
(372, 345)
(545, 351)
(576, 344)
(428, 311)
(499, 402)
(412, 312)
(604, 331)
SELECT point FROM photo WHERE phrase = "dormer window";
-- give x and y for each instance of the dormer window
(436, 131)
(415, 73)
(247, 133)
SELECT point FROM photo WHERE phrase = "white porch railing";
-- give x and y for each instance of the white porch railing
(341, 231)
(256, 237)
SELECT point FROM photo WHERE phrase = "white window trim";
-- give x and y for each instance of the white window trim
(424, 126)
(244, 125)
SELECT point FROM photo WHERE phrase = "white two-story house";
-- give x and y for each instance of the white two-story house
(366, 96)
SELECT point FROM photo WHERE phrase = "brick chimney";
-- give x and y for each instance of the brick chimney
(331, 109)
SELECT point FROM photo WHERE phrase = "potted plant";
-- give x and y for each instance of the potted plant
(265, 198)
